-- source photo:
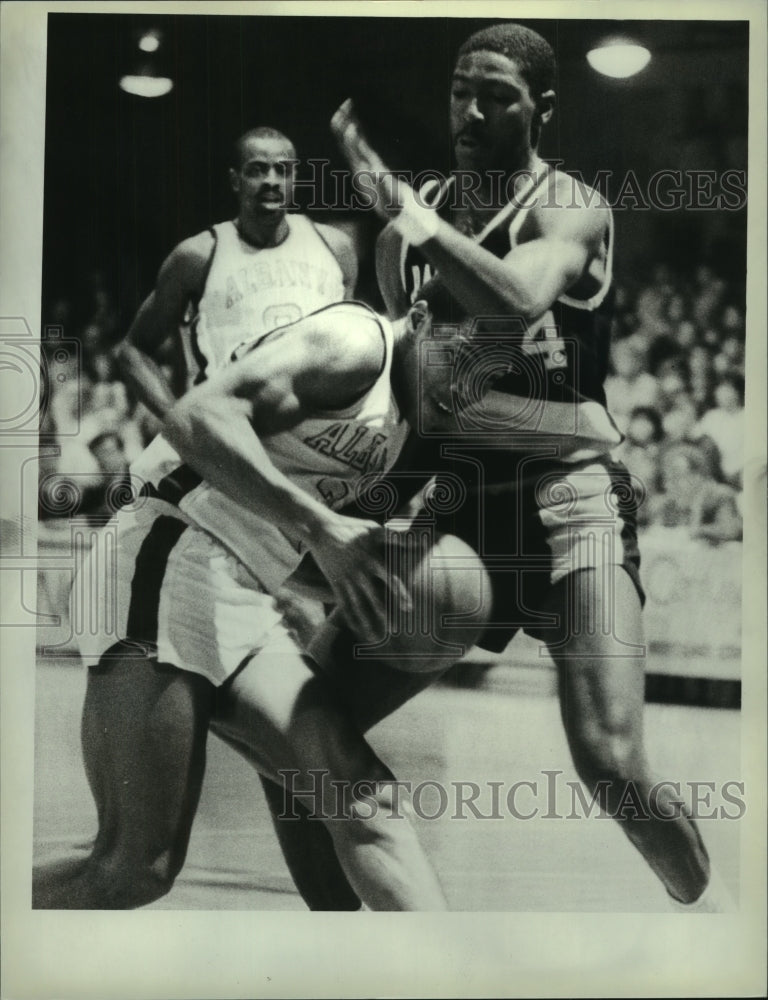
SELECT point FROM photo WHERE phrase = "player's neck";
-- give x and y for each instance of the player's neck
(262, 233)
(498, 187)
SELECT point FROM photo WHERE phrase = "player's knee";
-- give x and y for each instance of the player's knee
(129, 882)
(374, 810)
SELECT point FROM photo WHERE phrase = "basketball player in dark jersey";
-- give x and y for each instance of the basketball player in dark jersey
(523, 269)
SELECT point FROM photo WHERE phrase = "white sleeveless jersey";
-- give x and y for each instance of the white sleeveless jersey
(252, 290)
(327, 455)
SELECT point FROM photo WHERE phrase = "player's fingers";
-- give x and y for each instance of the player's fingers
(394, 584)
(374, 602)
(357, 612)
(341, 114)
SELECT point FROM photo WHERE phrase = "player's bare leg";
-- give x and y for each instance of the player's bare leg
(601, 687)
(144, 733)
(291, 721)
(369, 691)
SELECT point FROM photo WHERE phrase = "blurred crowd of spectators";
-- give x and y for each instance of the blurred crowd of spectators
(89, 418)
(677, 393)
(675, 389)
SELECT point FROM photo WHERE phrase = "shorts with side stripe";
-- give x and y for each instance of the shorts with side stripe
(546, 521)
(155, 585)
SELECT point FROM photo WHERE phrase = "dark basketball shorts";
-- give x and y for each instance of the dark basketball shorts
(545, 521)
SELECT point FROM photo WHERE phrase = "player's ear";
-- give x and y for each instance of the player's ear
(234, 180)
(546, 106)
(417, 315)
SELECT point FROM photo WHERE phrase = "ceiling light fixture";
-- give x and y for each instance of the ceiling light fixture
(619, 58)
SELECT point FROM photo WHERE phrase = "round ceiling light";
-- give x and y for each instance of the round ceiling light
(619, 58)
(150, 41)
(143, 85)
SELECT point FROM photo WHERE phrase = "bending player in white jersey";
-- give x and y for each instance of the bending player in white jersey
(275, 443)
(237, 280)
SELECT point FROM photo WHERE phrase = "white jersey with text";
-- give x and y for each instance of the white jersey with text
(329, 455)
(251, 290)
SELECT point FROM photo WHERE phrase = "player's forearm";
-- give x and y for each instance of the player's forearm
(146, 379)
(484, 284)
(215, 437)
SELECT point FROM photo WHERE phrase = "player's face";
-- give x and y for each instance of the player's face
(264, 182)
(493, 114)
(425, 374)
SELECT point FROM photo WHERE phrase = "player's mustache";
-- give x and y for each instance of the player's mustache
(474, 132)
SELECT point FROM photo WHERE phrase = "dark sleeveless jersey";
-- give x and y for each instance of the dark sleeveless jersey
(544, 383)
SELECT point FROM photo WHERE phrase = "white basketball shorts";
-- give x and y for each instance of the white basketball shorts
(153, 584)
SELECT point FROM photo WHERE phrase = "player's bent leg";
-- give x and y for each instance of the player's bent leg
(295, 725)
(598, 650)
(306, 845)
(309, 853)
(369, 692)
(446, 578)
(144, 733)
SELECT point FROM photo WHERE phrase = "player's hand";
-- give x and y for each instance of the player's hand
(365, 163)
(352, 555)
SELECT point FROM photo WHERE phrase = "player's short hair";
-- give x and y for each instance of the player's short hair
(532, 53)
(260, 132)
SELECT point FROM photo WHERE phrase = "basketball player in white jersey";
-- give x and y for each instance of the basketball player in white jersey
(237, 280)
(525, 265)
(248, 475)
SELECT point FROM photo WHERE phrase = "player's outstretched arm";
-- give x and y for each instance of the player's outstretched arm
(523, 284)
(181, 278)
(295, 373)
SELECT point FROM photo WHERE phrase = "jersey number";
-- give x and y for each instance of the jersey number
(280, 315)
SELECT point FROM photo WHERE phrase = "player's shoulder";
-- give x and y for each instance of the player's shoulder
(335, 237)
(572, 205)
(345, 329)
(333, 354)
(187, 264)
(195, 250)
(574, 195)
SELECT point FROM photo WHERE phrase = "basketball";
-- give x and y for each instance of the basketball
(450, 603)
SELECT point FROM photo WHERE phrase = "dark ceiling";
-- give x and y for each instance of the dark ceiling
(126, 178)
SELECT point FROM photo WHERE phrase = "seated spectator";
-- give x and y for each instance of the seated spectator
(724, 424)
(680, 425)
(96, 495)
(710, 291)
(701, 369)
(693, 501)
(677, 310)
(732, 322)
(109, 392)
(630, 386)
(685, 335)
(672, 379)
(730, 360)
(640, 452)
